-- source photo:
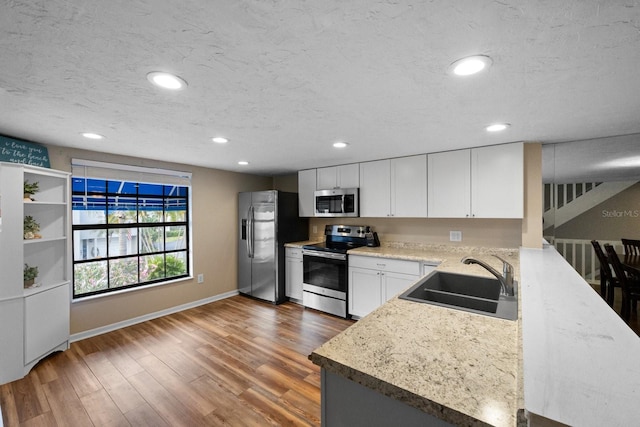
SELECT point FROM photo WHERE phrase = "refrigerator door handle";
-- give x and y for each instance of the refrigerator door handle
(250, 232)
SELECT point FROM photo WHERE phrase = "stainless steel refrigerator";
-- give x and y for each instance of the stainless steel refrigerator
(267, 220)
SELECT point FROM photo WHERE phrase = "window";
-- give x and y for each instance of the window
(131, 227)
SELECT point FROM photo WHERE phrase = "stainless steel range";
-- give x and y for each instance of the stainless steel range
(325, 268)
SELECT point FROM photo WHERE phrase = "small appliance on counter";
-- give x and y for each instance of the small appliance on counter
(325, 267)
(372, 239)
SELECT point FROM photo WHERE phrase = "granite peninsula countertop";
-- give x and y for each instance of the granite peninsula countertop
(461, 367)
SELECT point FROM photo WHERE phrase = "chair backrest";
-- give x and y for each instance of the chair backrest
(617, 267)
(631, 246)
(605, 269)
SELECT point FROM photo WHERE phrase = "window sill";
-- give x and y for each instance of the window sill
(123, 291)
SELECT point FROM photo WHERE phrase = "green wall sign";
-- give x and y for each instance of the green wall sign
(19, 151)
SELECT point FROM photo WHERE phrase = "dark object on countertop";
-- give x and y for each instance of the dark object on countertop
(372, 239)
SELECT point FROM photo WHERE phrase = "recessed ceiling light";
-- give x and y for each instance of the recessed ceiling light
(243, 162)
(340, 144)
(166, 80)
(470, 65)
(219, 140)
(497, 127)
(91, 135)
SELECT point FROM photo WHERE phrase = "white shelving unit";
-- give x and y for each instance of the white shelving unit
(34, 322)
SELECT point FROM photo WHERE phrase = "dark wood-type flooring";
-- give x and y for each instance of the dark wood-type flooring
(237, 362)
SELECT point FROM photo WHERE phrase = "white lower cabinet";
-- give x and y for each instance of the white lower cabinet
(46, 322)
(294, 274)
(373, 281)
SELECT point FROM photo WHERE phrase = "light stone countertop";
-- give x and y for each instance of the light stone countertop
(300, 244)
(581, 359)
(462, 367)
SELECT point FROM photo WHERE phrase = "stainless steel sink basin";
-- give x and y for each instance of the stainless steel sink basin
(474, 294)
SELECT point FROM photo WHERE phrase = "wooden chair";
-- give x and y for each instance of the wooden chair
(630, 288)
(631, 247)
(608, 282)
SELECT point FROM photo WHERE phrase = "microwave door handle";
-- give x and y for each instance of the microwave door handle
(342, 203)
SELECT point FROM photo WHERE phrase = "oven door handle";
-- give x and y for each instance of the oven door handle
(320, 254)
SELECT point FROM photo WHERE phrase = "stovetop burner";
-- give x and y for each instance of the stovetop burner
(341, 238)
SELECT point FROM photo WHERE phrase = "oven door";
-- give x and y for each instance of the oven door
(325, 273)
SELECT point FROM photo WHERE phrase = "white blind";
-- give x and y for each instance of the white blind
(114, 171)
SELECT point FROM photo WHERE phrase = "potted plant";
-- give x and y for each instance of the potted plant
(29, 190)
(30, 274)
(31, 228)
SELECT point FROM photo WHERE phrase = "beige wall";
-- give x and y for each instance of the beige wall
(533, 207)
(499, 233)
(615, 218)
(214, 216)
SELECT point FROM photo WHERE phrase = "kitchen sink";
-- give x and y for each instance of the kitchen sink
(474, 294)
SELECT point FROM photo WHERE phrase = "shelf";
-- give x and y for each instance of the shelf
(44, 203)
(44, 239)
(32, 291)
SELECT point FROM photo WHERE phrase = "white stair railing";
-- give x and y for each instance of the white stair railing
(580, 254)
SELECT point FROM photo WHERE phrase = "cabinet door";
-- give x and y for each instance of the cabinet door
(327, 178)
(46, 324)
(348, 176)
(394, 283)
(375, 188)
(427, 267)
(449, 184)
(497, 173)
(306, 187)
(293, 277)
(343, 176)
(365, 293)
(409, 186)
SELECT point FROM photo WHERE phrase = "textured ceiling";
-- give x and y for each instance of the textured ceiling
(283, 80)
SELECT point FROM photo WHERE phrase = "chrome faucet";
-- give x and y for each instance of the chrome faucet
(506, 278)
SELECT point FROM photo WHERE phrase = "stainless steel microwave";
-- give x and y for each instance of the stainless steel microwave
(337, 202)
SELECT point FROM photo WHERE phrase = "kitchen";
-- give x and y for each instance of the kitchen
(214, 191)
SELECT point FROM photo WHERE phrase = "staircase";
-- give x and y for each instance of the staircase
(571, 200)
(564, 202)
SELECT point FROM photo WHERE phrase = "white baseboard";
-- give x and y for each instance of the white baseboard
(114, 326)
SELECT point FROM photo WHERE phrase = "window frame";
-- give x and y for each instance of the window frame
(89, 170)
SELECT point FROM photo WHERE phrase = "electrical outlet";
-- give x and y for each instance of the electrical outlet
(455, 236)
(200, 278)
(314, 229)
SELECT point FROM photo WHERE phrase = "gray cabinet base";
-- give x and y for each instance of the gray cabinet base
(346, 403)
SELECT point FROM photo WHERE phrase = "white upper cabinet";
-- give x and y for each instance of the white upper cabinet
(306, 187)
(344, 176)
(394, 188)
(497, 177)
(485, 182)
(375, 190)
(449, 184)
(409, 186)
